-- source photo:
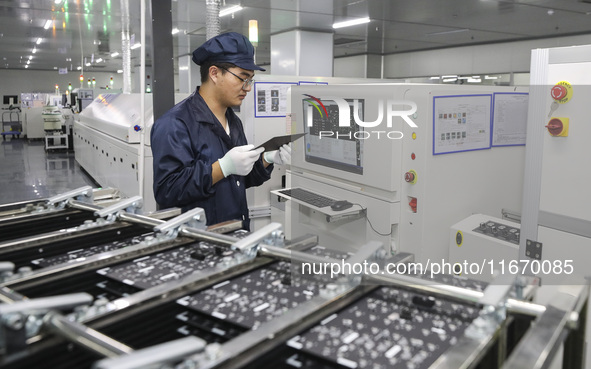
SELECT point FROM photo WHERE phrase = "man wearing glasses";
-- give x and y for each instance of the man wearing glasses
(201, 156)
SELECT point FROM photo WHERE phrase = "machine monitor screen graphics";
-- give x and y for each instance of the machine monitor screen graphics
(328, 144)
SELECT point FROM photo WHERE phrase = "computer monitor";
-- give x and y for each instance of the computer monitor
(328, 144)
(10, 99)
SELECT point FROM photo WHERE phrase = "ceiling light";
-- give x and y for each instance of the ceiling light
(48, 24)
(58, 1)
(184, 68)
(34, 50)
(78, 67)
(135, 46)
(30, 57)
(119, 71)
(39, 40)
(26, 66)
(352, 22)
(450, 76)
(87, 64)
(447, 32)
(253, 31)
(175, 31)
(114, 54)
(450, 79)
(99, 60)
(230, 10)
(491, 77)
(474, 80)
(29, 61)
(436, 77)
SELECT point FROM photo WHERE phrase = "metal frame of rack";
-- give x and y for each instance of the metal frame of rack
(12, 123)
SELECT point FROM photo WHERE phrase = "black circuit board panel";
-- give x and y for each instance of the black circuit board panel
(82, 254)
(256, 297)
(389, 328)
(169, 265)
(499, 231)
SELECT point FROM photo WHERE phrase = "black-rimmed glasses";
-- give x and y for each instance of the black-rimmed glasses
(247, 81)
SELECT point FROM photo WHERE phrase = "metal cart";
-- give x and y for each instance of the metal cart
(11, 120)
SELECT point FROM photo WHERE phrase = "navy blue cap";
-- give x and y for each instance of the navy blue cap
(228, 47)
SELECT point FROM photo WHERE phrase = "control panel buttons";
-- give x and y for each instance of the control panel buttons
(558, 127)
(558, 92)
(413, 204)
(410, 176)
(562, 92)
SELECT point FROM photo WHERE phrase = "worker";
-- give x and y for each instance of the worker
(201, 156)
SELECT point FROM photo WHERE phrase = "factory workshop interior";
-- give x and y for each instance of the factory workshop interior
(431, 212)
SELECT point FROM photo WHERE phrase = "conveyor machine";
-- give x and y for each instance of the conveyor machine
(181, 296)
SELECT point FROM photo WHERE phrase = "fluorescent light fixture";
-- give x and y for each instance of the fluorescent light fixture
(253, 31)
(39, 40)
(99, 60)
(26, 66)
(450, 79)
(463, 77)
(87, 64)
(230, 10)
(30, 57)
(447, 32)
(175, 31)
(352, 22)
(119, 71)
(58, 1)
(78, 68)
(491, 77)
(434, 77)
(114, 54)
(34, 50)
(474, 80)
(135, 46)
(28, 61)
(450, 76)
(48, 24)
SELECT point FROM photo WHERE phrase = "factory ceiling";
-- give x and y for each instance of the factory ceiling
(74, 34)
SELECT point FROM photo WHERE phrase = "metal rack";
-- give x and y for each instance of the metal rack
(11, 119)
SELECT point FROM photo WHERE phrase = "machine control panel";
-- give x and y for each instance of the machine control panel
(499, 231)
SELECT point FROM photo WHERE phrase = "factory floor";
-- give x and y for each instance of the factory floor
(29, 172)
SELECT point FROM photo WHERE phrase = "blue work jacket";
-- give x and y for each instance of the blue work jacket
(186, 141)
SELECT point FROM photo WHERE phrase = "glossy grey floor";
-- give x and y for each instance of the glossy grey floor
(28, 172)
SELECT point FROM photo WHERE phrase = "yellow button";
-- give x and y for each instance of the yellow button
(414, 135)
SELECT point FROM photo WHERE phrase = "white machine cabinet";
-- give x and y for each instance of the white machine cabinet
(410, 181)
(107, 144)
(556, 220)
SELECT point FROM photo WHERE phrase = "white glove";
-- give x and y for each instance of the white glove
(281, 156)
(239, 160)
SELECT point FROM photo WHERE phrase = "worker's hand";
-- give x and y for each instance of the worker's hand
(281, 156)
(240, 160)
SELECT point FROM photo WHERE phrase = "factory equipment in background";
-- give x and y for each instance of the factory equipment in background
(54, 125)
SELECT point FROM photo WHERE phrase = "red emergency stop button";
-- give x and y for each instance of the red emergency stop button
(558, 92)
(413, 204)
(410, 176)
